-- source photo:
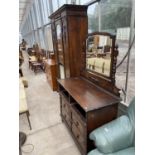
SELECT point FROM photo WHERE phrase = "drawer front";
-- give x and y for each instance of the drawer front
(66, 113)
(65, 108)
(78, 122)
(79, 137)
(67, 118)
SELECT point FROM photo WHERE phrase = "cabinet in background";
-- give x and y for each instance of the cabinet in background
(51, 72)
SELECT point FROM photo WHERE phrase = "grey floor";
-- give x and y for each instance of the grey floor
(49, 136)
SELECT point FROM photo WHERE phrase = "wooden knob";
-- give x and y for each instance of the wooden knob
(77, 136)
(77, 123)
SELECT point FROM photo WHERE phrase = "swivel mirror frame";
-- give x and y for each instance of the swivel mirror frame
(107, 82)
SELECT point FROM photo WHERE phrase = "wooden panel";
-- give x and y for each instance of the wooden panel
(78, 121)
(51, 73)
(79, 137)
(76, 40)
(66, 113)
(101, 116)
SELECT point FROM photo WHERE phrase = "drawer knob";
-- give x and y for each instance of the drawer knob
(77, 136)
(77, 123)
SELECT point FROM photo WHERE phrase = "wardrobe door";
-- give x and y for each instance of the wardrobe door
(66, 46)
(60, 50)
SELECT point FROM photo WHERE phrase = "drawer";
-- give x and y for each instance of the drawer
(79, 137)
(67, 118)
(65, 110)
(65, 105)
(66, 113)
(78, 122)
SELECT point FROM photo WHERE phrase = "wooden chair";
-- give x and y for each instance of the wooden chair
(36, 63)
(31, 52)
(39, 64)
(32, 59)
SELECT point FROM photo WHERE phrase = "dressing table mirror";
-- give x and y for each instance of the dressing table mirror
(98, 54)
(100, 60)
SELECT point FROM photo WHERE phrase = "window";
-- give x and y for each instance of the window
(36, 37)
(114, 14)
(30, 22)
(93, 19)
(38, 13)
(55, 5)
(48, 36)
(41, 39)
(45, 10)
(84, 1)
(33, 17)
(62, 2)
(131, 77)
(115, 17)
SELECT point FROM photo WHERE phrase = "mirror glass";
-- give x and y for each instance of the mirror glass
(59, 44)
(98, 54)
(58, 29)
(61, 71)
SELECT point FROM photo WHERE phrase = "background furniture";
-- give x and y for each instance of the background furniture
(32, 59)
(36, 62)
(51, 73)
(69, 31)
(116, 137)
(37, 66)
(23, 108)
(31, 51)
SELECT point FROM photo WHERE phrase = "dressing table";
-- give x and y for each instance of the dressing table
(84, 107)
(88, 95)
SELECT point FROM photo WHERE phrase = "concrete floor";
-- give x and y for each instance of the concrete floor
(49, 135)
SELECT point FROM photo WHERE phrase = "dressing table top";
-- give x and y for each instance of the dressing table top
(87, 95)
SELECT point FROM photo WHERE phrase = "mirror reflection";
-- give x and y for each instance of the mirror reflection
(59, 43)
(98, 54)
(58, 30)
